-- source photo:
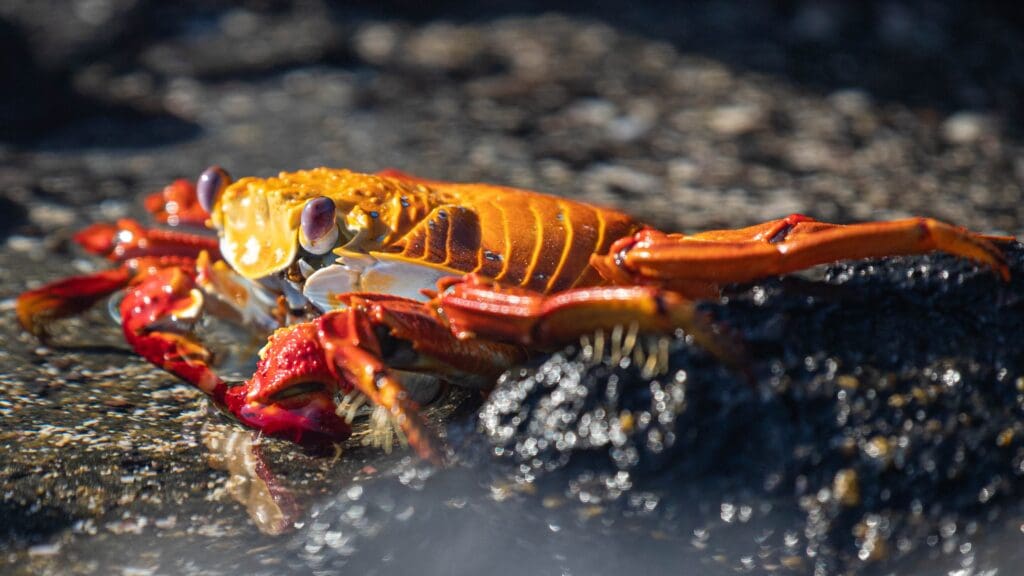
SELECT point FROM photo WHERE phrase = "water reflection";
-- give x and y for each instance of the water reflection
(268, 500)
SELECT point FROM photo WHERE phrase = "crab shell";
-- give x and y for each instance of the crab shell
(258, 219)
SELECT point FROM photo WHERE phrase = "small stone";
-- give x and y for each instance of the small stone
(964, 127)
(850, 102)
(736, 120)
(376, 43)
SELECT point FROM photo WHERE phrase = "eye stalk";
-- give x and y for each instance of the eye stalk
(318, 231)
(211, 183)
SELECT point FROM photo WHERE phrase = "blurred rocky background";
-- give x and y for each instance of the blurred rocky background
(689, 114)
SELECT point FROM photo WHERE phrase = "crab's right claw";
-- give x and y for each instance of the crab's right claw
(305, 365)
(67, 297)
(291, 394)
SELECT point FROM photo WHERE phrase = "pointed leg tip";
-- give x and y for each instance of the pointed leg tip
(34, 311)
(996, 260)
(1004, 272)
(430, 452)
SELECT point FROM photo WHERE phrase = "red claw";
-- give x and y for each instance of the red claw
(308, 420)
(158, 314)
(291, 394)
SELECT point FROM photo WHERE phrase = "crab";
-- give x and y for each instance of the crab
(370, 284)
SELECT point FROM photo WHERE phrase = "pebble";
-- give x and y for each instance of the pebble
(736, 120)
(964, 127)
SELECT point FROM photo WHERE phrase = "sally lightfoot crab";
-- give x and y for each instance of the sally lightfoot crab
(340, 269)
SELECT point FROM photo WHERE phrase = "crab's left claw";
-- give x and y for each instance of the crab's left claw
(157, 317)
(137, 249)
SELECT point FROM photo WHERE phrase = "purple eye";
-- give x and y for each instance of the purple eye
(211, 183)
(318, 231)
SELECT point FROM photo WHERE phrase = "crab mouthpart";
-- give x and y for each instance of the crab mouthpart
(299, 390)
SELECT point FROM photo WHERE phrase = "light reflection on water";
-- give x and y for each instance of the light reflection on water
(269, 502)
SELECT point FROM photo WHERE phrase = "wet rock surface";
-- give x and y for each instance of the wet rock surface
(691, 118)
(881, 405)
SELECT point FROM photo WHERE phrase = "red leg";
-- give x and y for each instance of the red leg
(177, 204)
(67, 297)
(128, 239)
(477, 308)
(780, 247)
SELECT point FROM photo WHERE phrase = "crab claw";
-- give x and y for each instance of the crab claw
(291, 395)
(158, 316)
(359, 352)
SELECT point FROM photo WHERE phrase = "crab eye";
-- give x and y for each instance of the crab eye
(318, 231)
(211, 183)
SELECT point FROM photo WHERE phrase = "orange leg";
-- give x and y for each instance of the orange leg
(474, 307)
(354, 354)
(783, 246)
